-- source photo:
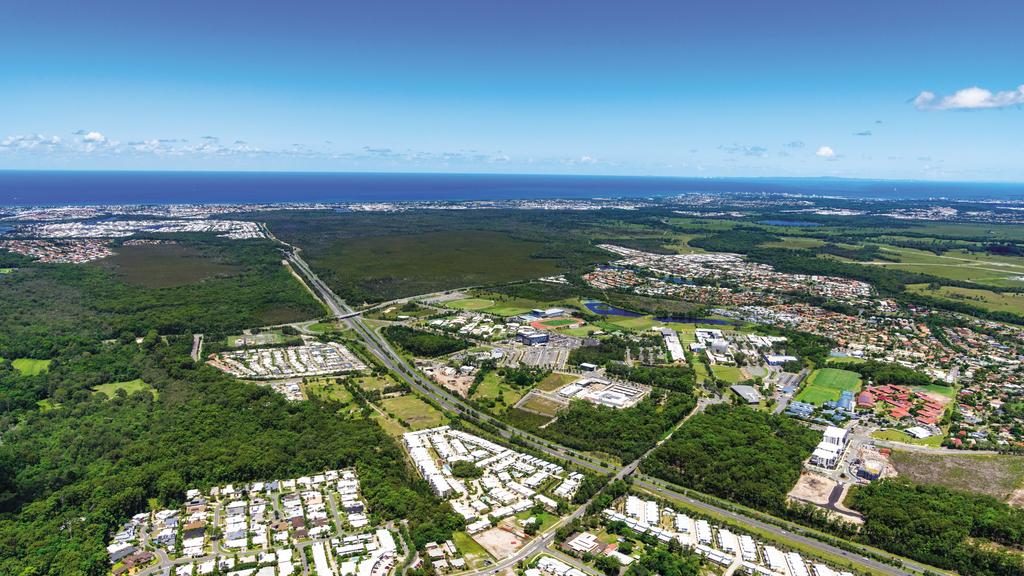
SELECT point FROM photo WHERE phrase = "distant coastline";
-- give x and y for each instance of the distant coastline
(71, 188)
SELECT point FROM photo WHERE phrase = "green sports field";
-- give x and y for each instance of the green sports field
(826, 384)
(557, 322)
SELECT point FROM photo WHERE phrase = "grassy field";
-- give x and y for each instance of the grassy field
(130, 387)
(579, 332)
(730, 374)
(374, 383)
(559, 322)
(979, 268)
(846, 360)
(947, 391)
(393, 266)
(987, 299)
(324, 327)
(6, 270)
(994, 475)
(893, 435)
(165, 265)
(795, 243)
(502, 305)
(635, 324)
(391, 426)
(826, 384)
(701, 372)
(490, 387)
(554, 381)
(31, 367)
(493, 387)
(541, 406)
(413, 411)
(475, 555)
(545, 519)
(471, 304)
(680, 244)
(329, 389)
(507, 311)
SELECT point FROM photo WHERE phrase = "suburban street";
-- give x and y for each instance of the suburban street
(379, 346)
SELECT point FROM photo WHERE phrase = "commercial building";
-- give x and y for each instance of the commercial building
(778, 359)
(532, 338)
(749, 394)
(830, 450)
(675, 347)
(584, 543)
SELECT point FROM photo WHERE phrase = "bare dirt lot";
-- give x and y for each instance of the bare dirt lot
(826, 493)
(458, 384)
(498, 542)
(813, 488)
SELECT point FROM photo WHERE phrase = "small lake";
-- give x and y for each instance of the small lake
(790, 223)
(609, 310)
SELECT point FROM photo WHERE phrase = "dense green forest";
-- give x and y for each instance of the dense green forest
(75, 467)
(609, 350)
(678, 378)
(69, 476)
(624, 433)
(942, 527)
(420, 343)
(886, 373)
(374, 257)
(50, 307)
(736, 453)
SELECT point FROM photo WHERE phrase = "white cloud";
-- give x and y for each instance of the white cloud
(973, 98)
(826, 152)
(94, 137)
(752, 151)
(30, 142)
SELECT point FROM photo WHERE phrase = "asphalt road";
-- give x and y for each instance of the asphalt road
(395, 362)
(792, 535)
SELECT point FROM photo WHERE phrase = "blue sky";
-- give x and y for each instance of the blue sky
(882, 89)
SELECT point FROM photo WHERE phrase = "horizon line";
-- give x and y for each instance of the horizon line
(496, 174)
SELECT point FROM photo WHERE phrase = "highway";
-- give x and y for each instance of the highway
(379, 346)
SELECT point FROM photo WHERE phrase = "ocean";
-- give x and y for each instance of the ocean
(63, 188)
